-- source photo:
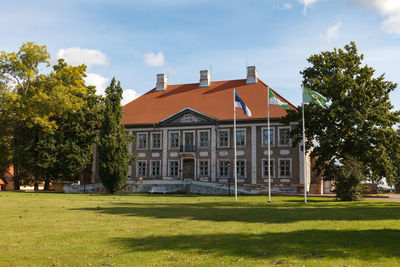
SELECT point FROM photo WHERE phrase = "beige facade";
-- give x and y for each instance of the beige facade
(190, 145)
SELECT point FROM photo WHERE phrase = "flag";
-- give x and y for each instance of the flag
(240, 104)
(273, 100)
(310, 96)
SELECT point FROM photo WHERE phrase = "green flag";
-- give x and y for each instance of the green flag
(310, 96)
(273, 100)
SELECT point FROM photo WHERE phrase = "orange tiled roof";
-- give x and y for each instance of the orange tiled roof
(215, 101)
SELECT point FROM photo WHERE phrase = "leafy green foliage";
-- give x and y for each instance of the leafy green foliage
(348, 178)
(113, 144)
(358, 121)
(52, 118)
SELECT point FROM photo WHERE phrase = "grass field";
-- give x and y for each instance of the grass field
(39, 229)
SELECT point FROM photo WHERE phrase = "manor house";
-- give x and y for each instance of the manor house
(185, 131)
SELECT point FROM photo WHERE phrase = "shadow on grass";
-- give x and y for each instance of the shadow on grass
(312, 244)
(255, 213)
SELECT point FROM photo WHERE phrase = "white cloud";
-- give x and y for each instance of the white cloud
(128, 95)
(307, 3)
(97, 80)
(154, 60)
(287, 6)
(333, 32)
(77, 56)
(389, 9)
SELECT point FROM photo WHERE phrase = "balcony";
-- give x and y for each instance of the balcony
(188, 149)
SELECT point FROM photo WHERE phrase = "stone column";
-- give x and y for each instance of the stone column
(213, 153)
(253, 154)
(164, 162)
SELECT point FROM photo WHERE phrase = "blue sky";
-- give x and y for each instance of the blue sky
(135, 40)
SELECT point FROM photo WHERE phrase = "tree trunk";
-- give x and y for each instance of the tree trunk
(46, 185)
(17, 184)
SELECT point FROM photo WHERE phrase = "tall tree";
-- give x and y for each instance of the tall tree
(53, 117)
(113, 141)
(359, 119)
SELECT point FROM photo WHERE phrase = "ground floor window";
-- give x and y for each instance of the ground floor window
(265, 167)
(173, 168)
(203, 168)
(241, 168)
(155, 168)
(223, 168)
(141, 168)
(285, 168)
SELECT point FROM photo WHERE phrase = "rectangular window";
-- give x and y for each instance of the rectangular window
(156, 140)
(284, 168)
(241, 168)
(203, 168)
(173, 168)
(223, 138)
(240, 137)
(155, 168)
(265, 137)
(142, 141)
(141, 168)
(284, 137)
(223, 168)
(174, 140)
(203, 136)
(265, 168)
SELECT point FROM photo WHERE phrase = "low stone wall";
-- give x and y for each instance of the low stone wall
(197, 187)
(178, 187)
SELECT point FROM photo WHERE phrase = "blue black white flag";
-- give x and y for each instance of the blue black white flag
(240, 104)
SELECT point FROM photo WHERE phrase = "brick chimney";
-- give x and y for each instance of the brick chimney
(205, 78)
(252, 74)
(162, 82)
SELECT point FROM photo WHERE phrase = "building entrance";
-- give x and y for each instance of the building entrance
(188, 169)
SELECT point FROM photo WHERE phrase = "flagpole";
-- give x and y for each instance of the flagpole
(304, 150)
(269, 154)
(234, 143)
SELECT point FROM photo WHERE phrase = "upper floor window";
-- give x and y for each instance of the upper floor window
(223, 138)
(142, 141)
(284, 136)
(265, 137)
(174, 140)
(203, 139)
(241, 137)
(156, 140)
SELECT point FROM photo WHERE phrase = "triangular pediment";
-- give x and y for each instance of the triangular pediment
(187, 116)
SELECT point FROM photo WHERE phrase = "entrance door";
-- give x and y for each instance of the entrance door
(188, 169)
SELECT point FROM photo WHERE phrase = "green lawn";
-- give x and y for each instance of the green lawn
(39, 229)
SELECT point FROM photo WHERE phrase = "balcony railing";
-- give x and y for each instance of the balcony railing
(188, 148)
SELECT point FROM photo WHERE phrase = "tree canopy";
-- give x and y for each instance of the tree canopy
(359, 119)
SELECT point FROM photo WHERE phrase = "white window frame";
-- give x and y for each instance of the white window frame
(245, 135)
(219, 164)
(290, 168)
(169, 168)
(279, 136)
(137, 140)
(218, 140)
(151, 168)
(198, 137)
(208, 168)
(262, 136)
(263, 167)
(152, 134)
(245, 168)
(194, 137)
(137, 168)
(169, 139)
